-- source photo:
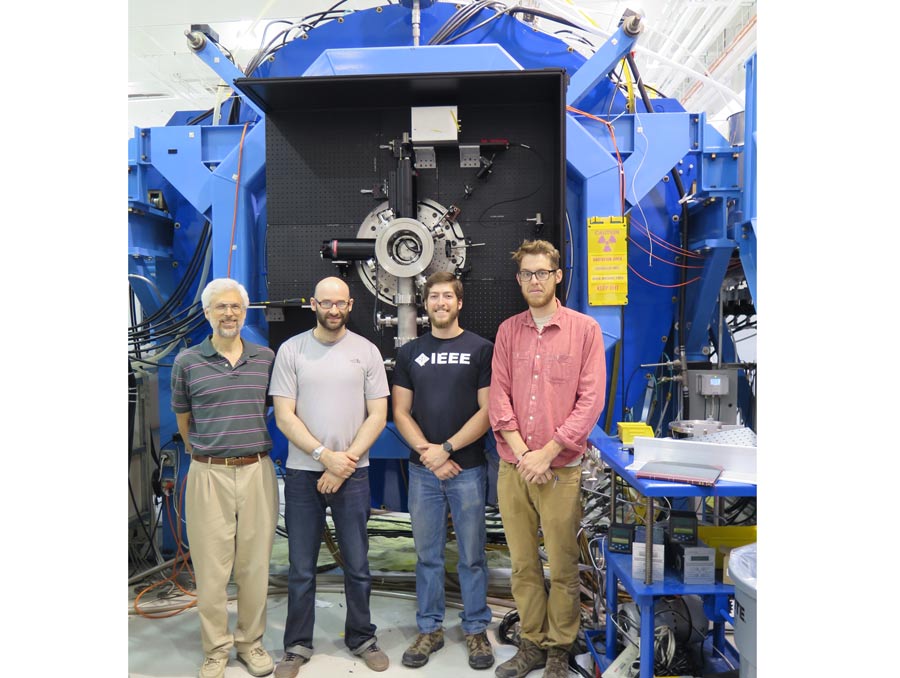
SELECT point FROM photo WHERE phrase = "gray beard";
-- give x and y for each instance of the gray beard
(228, 334)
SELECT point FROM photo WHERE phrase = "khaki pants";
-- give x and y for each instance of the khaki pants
(231, 516)
(547, 620)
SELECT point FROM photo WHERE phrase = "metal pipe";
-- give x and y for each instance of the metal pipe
(719, 353)
(416, 20)
(613, 495)
(407, 312)
(153, 570)
(648, 549)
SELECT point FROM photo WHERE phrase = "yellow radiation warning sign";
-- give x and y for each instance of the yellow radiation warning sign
(607, 261)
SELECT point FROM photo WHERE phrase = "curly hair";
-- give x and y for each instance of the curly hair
(537, 247)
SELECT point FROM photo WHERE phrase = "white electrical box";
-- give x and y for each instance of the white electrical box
(658, 562)
(712, 384)
(434, 124)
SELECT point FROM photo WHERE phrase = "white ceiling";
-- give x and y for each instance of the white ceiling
(693, 50)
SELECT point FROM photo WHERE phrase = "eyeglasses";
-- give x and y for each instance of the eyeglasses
(542, 275)
(342, 305)
(234, 308)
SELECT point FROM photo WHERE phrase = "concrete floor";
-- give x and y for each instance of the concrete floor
(170, 647)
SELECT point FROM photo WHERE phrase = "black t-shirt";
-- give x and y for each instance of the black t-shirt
(445, 376)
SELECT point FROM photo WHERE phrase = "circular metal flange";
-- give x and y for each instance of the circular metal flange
(404, 248)
(448, 244)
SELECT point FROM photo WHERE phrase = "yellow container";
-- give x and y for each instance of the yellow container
(723, 538)
(627, 431)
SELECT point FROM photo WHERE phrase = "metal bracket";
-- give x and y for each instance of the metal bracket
(425, 157)
(469, 156)
(274, 314)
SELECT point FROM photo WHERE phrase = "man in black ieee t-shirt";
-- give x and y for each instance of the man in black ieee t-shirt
(440, 401)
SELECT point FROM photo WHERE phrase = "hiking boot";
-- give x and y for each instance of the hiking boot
(290, 665)
(528, 658)
(481, 655)
(416, 654)
(375, 659)
(557, 663)
(257, 661)
(213, 667)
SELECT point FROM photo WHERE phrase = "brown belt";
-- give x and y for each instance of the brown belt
(230, 461)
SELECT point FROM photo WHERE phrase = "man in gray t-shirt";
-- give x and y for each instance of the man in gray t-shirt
(330, 389)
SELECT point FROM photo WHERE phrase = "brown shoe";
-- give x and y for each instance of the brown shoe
(416, 655)
(290, 665)
(557, 663)
(375, 659)
(481, 655)
(528, 658)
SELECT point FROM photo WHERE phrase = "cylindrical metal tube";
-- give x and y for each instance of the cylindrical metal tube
(348, 249)
(406, 312)
(648, 549)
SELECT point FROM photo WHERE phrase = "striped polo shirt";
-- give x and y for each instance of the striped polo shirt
(228, 405)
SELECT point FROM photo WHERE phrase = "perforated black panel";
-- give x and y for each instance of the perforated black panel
(320, 157)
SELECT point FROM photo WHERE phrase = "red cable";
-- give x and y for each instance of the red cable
(655, 284)
(612, 133)
(658, 258)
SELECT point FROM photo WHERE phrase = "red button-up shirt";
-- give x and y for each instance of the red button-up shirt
(548, 384)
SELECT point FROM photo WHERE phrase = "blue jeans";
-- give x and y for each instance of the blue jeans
(304, 517)
(429, 499)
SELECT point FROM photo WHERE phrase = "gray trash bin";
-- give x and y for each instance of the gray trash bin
(742, 570)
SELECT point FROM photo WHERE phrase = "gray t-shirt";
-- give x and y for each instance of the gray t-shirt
(331, 384)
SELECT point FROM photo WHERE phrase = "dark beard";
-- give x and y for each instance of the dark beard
(322, 318)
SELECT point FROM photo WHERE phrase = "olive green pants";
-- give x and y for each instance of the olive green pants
(546, 619)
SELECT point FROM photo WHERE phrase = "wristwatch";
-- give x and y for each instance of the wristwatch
(447, 447)
(317, 453)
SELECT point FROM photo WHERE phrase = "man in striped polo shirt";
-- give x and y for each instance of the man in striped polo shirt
(219, 400)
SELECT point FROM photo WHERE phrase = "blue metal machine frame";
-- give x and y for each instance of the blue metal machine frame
(184, 176)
